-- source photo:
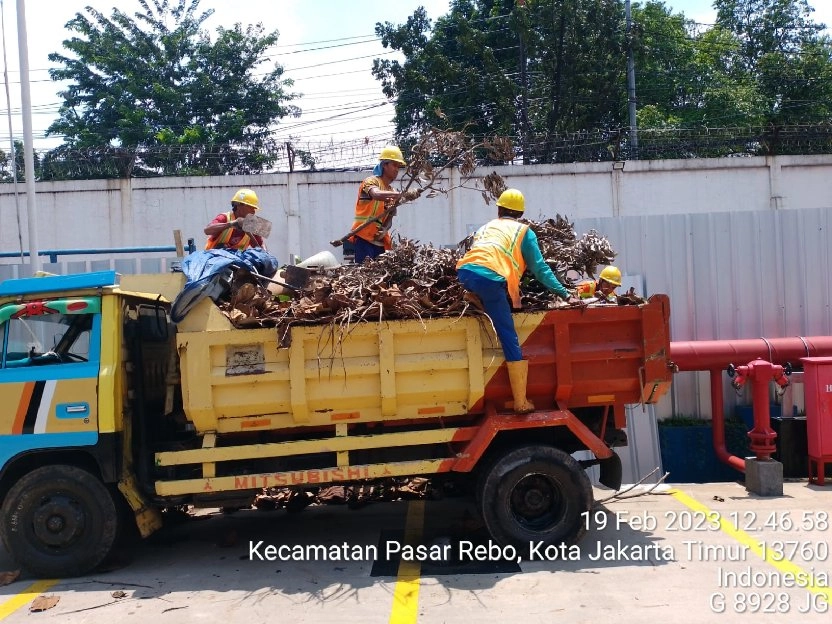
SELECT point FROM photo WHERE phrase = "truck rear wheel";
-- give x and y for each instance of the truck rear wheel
(535, 493)
(59, 521)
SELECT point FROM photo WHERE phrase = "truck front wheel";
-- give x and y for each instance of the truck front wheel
(535, 493)
(59, 521)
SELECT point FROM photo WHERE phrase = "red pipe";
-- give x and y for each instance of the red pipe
(761, 373)
(718, 423)
(716, 355)
(701, 355)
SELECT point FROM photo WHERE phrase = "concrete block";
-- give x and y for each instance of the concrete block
(764, 478)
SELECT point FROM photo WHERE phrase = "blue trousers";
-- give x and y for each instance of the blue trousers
(363, 249)
(494, 296)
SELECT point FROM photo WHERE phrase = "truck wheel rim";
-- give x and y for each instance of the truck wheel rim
(536, 502)
(58, 521)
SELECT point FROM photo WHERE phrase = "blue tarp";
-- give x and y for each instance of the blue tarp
(208, 274)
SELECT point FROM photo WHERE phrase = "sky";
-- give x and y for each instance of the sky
(325, 46)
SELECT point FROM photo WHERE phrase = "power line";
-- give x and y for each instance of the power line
(355, 58)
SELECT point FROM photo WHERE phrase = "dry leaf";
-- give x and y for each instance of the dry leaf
(119, 594)
(7, 578)
(42, 603)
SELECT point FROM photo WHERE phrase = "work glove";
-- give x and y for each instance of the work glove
(410, 195)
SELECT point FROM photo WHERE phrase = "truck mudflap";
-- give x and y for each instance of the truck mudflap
(610, 468)
(611, 471)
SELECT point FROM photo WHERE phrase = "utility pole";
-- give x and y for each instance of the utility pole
(524, 85)
(631, 81)
(28, 149)
(12, 150)
(290, 154)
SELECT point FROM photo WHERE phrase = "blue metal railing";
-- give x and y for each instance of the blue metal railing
(54, 253)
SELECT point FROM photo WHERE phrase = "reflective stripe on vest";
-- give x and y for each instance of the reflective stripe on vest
(221, 240)
(367, 208)
(585, 290)
(497, 246)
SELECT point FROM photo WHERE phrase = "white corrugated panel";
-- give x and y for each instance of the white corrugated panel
(729, 275)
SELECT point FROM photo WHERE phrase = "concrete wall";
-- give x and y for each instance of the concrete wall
(310, 209)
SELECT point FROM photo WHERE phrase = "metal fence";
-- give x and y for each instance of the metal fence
(124, 260)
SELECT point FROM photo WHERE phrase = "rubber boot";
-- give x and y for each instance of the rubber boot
(518, 375)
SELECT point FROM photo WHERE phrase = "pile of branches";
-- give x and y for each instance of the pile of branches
(411, 281)
(354, 496)
(571, 259)
(437, 151)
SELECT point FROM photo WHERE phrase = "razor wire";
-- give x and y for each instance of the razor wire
(280, 156)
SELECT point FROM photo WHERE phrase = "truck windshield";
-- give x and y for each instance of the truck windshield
(47, 339)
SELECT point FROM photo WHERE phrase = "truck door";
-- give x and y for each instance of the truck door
(51, 353)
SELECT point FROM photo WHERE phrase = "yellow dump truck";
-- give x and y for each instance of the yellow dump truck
(110, 405)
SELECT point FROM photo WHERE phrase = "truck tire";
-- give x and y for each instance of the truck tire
(59, 521)
(535, 493)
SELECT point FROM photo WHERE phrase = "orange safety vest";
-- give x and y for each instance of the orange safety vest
(221, 240)
(586, 290)
(367, 208)
(497, 246)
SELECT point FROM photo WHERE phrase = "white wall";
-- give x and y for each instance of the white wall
(310, 209)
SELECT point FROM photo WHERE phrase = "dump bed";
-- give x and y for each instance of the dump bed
(239, 380)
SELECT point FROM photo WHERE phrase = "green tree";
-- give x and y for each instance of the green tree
(664, 53)
(768, 26)
(453, 78)
(6, 171)
(529, 70)
(155, 93)
(786, 58)
(687, 77)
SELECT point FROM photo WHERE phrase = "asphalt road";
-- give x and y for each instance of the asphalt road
(701, 553)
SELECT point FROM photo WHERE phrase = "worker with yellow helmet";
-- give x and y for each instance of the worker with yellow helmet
(375, 195)
(493, 267)
(604, 289)
(225, 232)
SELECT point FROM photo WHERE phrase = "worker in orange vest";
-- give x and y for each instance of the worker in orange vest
(224, 232)
(375, 195)
(604, 288)
(493, 267)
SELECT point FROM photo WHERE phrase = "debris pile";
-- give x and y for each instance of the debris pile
(356, 496)
(411, 281)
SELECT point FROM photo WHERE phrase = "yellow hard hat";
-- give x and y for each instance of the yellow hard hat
(391, 152)
(612, 275)
(512, 199)
(247, 197)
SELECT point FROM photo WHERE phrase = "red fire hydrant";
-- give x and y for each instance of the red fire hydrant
(760, 372)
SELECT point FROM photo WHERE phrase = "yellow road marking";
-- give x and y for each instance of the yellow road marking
(19, 600)
(406, 595)
(754, 546)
